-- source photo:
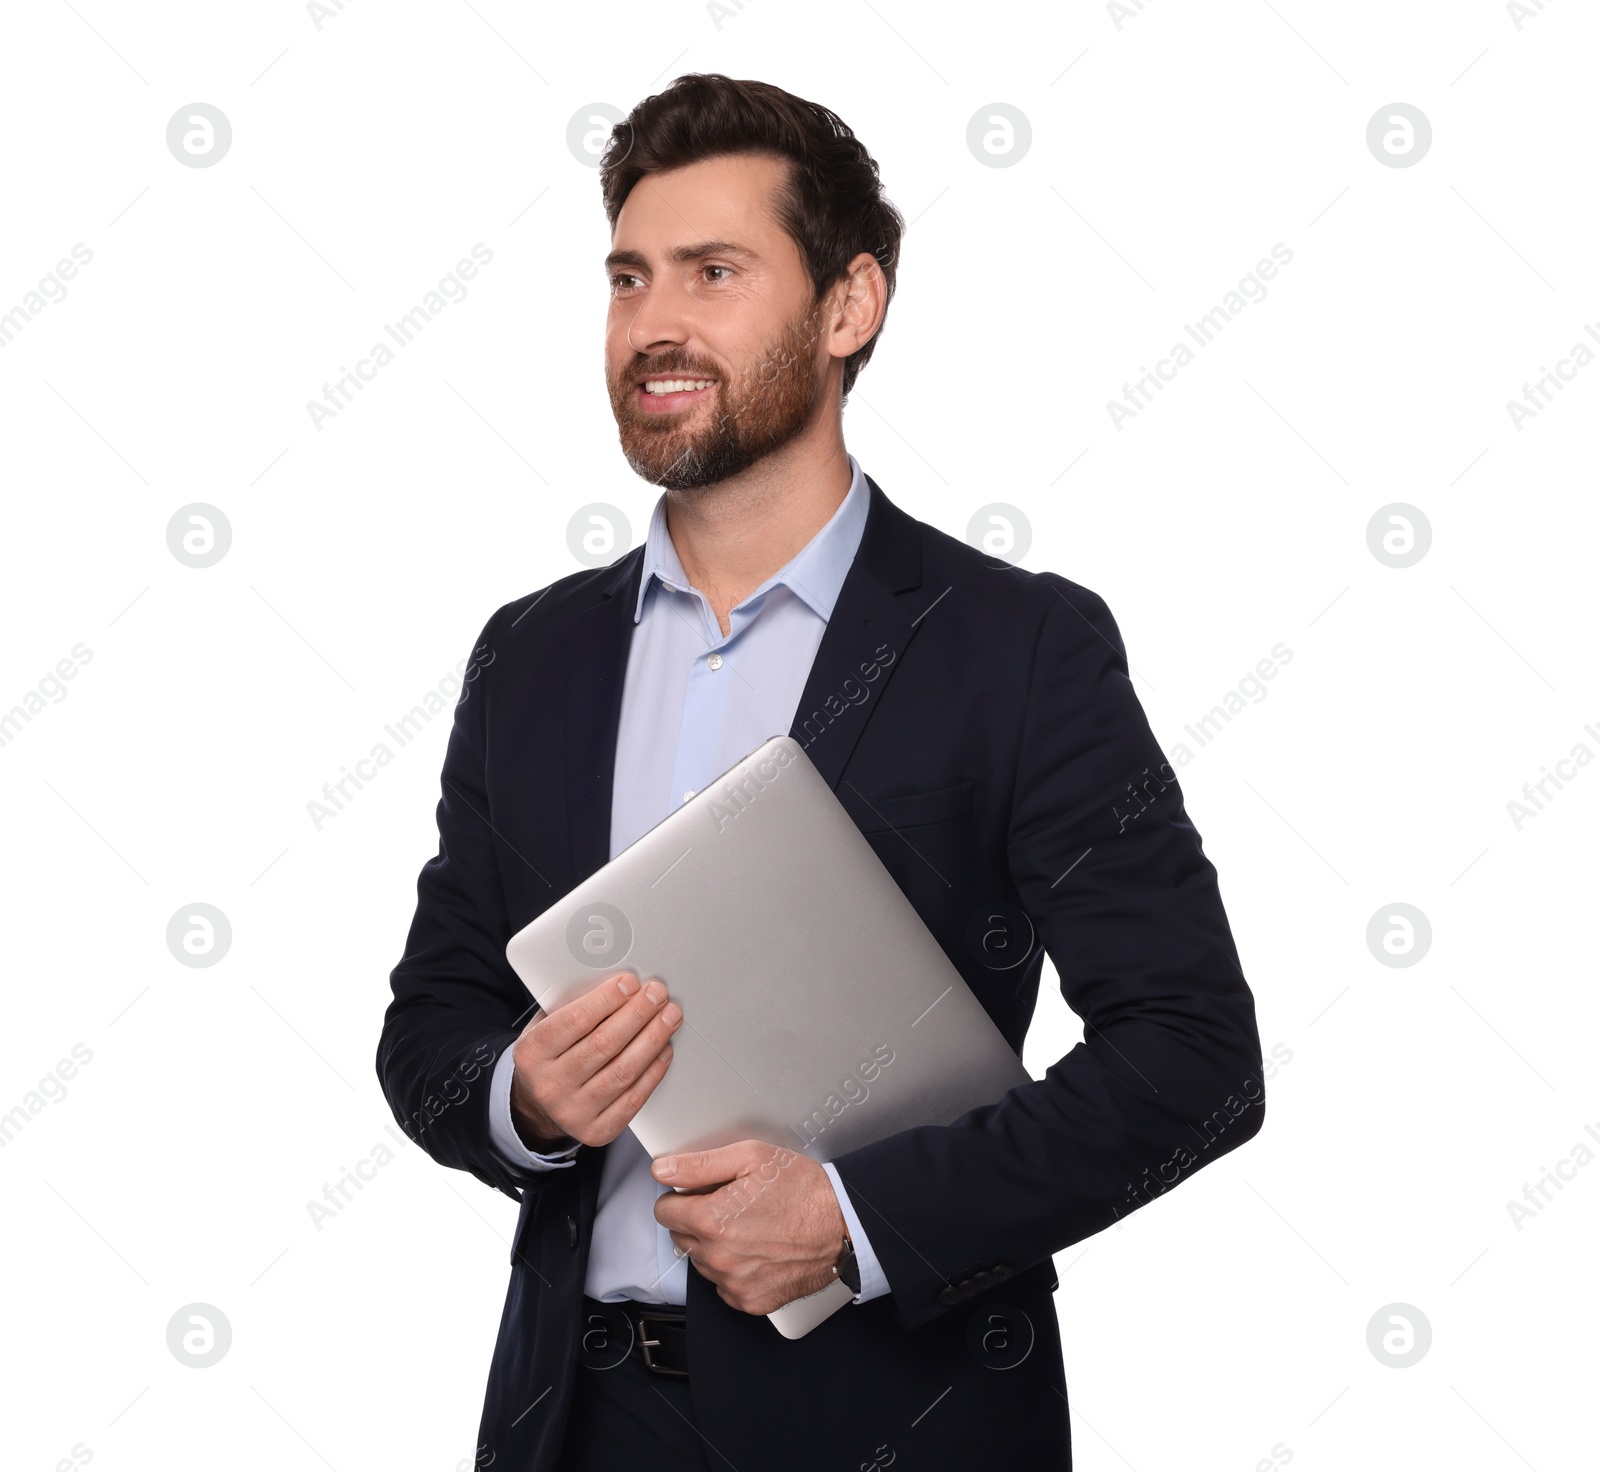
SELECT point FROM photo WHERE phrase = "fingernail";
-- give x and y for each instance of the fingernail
(628, 985)
(673, 1015)
(666, 1168)
(656, 992)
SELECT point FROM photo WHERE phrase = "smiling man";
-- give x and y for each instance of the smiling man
(978, 723)
(686, 424)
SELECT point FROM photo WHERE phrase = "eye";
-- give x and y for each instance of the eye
(728, 269)
(619, 278)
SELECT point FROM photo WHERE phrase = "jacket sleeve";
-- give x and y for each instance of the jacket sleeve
(457, 1004)
(1110, 871)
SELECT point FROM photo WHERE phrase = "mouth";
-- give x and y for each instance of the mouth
(666, 395)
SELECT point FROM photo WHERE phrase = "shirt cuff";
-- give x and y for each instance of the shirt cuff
(873, 1282)
(503, 1133)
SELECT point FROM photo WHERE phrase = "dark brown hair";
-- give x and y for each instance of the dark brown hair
(832, 204)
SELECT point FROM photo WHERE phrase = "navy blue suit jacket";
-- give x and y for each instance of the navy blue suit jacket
(978, 722)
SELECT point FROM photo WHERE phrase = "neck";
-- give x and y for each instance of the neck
(732, 536)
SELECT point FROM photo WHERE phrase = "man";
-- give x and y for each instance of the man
(978, 723)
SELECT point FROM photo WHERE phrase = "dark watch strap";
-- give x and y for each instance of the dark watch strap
(848, 1269)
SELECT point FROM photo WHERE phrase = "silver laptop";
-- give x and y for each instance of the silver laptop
(819, 1013)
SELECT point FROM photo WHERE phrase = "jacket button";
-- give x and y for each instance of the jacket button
(949, 1296)
(1000, 1272)
(572, 1231)
(967, 1287)
(982, 1280)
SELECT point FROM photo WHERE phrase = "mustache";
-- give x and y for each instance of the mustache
(643, 367)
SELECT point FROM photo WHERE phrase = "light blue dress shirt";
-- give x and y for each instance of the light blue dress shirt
(693, 703)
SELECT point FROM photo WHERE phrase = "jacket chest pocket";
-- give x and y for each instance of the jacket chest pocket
(874, 814)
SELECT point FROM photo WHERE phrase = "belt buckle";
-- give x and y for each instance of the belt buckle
(646, 1345)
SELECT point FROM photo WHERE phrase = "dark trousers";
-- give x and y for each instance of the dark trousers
(627, 1418)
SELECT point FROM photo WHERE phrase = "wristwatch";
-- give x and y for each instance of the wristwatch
(846, 1266)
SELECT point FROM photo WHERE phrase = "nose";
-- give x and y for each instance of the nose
(659, 319)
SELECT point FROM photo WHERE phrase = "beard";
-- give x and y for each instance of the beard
(759, 410)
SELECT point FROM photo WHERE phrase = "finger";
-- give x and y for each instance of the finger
(674, 1213)
(619, 1115)
(557, 1031)
(618, 1074)
(710, 1167)
(696, 1218)
(593, 1055)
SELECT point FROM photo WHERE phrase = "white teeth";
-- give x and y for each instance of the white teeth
(677, 385)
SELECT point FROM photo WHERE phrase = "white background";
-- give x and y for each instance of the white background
(1169, 153)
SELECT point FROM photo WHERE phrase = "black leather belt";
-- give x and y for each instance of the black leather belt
(657, 1333)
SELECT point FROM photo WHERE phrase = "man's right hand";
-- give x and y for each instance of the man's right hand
(583, 1071)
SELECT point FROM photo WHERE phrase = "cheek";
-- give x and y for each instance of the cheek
(618, 360)
(618, 320)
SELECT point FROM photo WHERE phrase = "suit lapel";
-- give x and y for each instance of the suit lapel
(865, 640)
(600, 642)
(862, 647)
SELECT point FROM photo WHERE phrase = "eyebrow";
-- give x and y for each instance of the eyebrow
(681, 253)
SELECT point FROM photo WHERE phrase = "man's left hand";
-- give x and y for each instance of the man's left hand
(762, 1222)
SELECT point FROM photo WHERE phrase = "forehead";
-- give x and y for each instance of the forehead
(728, 200)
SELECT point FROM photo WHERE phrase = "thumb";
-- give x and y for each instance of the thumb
(698, 1168)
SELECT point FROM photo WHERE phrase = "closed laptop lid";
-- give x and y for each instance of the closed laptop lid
(819, 1011)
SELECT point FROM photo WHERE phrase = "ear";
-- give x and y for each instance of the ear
(863, 299)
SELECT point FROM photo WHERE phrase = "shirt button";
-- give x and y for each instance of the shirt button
(688, 794)
(714, 662)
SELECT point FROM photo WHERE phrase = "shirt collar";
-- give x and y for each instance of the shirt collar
(814, 574)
